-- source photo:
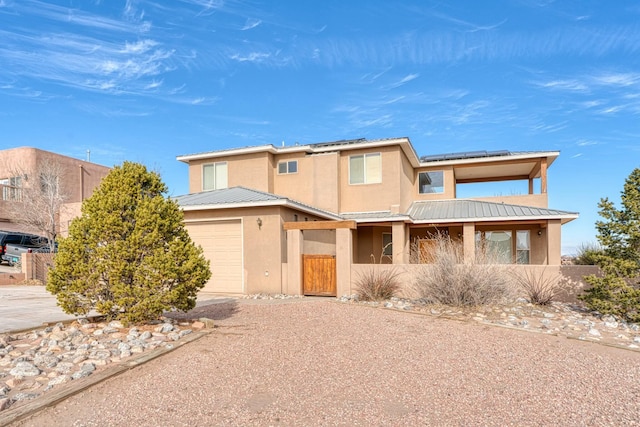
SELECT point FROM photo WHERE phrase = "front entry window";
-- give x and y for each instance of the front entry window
(523, 247)
(496, 244)
(500, 247)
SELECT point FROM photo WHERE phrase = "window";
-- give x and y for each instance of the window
(365, 169)
(523, 247)
(387, 244)
(11, 188)
(49, 184)
(497, 244)
(214, 176)
(288, 167)
(431, 182)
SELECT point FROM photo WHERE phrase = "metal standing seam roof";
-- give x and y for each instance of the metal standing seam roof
(374, 216)
(470, 210)
(226, 196)
(422, 211)
(242, 196)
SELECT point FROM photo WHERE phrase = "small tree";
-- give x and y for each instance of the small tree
(128, 255)
(617, 292)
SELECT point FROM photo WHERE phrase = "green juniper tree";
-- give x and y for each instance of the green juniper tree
(617, 291)
(128, 255)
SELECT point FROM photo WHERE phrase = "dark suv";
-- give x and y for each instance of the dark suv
(18, 238)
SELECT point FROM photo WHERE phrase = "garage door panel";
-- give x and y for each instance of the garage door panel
(221, 243)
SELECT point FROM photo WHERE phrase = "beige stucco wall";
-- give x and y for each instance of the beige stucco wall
(315, 183)
(536, 200)
(372, 197)
(247, 170)
(567, 277)
(449, 184)
(264, 247)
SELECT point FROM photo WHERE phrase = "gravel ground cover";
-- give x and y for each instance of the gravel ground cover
(320, 362)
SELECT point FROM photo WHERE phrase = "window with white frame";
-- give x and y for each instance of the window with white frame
(523, 247)
(365, 169)
(11, 188)
(288, 167)
(214, 176)
(387, 244)
(431, 182)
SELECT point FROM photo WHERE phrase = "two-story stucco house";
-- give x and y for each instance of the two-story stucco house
(20, 168)
(259, 212)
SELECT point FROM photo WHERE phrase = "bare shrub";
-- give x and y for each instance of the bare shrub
(540, 288)
(376, 284)
(451, 281)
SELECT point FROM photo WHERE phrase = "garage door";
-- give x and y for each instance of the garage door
(222, 245)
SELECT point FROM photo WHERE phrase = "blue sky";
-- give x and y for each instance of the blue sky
(149, 80)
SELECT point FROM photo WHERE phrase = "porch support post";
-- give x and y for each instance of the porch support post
(543, 176)
(553, 242)
(344, 259)
(400, 242)
(295, 243)
(469, 242)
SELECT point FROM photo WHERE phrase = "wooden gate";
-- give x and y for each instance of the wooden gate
(319, 275)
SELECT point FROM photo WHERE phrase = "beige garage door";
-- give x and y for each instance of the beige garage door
(222, 245)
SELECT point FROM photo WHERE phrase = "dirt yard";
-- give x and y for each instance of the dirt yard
(318, 363)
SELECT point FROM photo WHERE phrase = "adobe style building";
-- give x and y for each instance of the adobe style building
(274, 219)
(20, 168)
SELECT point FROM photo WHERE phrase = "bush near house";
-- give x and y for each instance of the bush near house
(540, 287)
(128, 256)
(617, 292)
(377, 284)
(451, 281)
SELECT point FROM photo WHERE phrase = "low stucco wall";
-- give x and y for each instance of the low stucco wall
(7, 279)
(570, 277)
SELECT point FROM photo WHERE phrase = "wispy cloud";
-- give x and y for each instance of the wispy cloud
(250, 24)
(550, 127)
(570, 85)
(585, 143)
(617, 79)
(406, 79)
(251, 57)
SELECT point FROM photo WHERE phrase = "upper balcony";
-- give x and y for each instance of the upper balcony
(487, 176)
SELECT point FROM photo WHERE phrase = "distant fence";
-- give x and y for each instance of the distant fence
(35, 266)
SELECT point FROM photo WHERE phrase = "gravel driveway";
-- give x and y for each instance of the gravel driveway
(324, 363)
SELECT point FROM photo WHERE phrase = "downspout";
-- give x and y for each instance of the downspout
(81, 183)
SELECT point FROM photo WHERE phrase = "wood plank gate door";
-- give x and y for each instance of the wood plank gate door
(319, 275)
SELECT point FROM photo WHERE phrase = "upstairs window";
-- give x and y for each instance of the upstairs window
(288, 167)
(214, 176)
(431, 182)
(365, 169)
(11, 188)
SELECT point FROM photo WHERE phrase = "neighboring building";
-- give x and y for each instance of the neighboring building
(19, 168)
(257, 210)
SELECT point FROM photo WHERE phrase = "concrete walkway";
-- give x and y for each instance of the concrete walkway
(23, 307)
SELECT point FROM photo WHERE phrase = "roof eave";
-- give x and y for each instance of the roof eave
(563, 218)
(278, 202)
(550, 155)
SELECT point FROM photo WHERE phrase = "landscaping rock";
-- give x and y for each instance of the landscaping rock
(25, 369)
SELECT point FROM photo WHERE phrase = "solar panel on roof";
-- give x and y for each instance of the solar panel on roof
(464, 155)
